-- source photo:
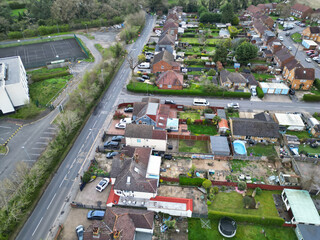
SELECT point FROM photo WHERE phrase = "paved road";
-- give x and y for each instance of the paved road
(297, 50)
(51, 207)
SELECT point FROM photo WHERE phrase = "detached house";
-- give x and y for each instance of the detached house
(164, 61)
(145, 112)
(261, 128)
(282, 57)
(252, 10)
(166, 41)
(232, 79)
(301, 11)
(312, 33)
(170, 80)
(301, 78)
(170, 23)
(267, 8)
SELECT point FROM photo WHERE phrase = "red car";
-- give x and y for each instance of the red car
(313, 55)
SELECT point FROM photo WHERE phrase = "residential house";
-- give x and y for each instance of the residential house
(170, 23)
(259, 27)
(224, 33)
(170, 80)
(145, 113)
(274, 45)
(162, 116)
(267, 8)
(268, 36)
(282, 57)
(267, 21)
(290, 121)
(251, 80)
(232, 79)
(252, 10)
(166, 41)
(121, 223)
(164, 61)
(267, 54)
(312, 33)
(223, 126)
(301, 11)
(137, 135)
(288, 69)
(307, 232)
(261, 128)
(301, 78)
(14, 91)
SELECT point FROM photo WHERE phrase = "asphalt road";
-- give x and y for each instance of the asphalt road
(297, 49)
(45, 218)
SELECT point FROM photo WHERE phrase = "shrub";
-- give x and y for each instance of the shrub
(311, 98)
(316, 83)
(247, 201)
(209, 202)
(191, 181)
(223, 188)
(242, 186)
(211, 72)
(206, 184)
(211, 196)
(258, 191)
(16, 5)
(260, 92)
(86, 177)
(36, 77)
(216, 190)
(15, 35)
(263, 220)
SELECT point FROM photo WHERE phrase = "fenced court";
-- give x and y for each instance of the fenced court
(39, 54)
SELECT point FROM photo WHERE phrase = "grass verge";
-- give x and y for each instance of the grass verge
(3, 149)
(296, 37)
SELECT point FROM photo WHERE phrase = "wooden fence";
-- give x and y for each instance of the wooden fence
(188, 137)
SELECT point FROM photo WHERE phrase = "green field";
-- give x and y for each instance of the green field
(192, 146)
(244, 232)
(296, 37)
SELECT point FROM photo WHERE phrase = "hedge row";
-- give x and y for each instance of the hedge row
(260, 92)
(191, 181)
(39, 77)
(311, 98)
(16, 5)
(267, 220)
(316, 83)
(192, 92)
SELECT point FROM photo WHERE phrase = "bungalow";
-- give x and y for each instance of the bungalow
(170, 80)
(301, 78)
(145, 136)
(251, 80)
(282, 57)
(164, 61)
(312, 33)
(232, 79)
(301, 11)
(261, 128)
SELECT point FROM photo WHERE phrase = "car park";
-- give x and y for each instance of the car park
(233, 105)
(111, 145)
(117, 138)
(121, 126)
(95, 215)
(128, 109)
(169, 102)
(111, 154)
(308, 60)
(79, 232)
(102, 184)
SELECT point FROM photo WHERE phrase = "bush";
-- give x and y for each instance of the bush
(86, 177)
(311, 98)
(209, 202)
(15, 35)
(216, 190)
(206, 184)
(16, 5)
(223, 188)
(211, 196)
(191, 181)
(211, 72)
(36, 77)
(263, 220)
(247, 201)
(258, 191)
(260, 92)
(242, 186)
(316, 83)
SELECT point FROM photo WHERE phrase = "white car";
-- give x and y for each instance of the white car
(308, 60)
(102, 184)
(125, 120)
(315, 58)
(121, 125)
(233, 105)
(281, 38)
(290, 48)
(253, 92)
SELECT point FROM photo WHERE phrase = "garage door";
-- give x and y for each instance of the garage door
(271, 90)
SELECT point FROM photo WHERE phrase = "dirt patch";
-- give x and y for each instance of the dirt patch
(180, 233)
(175, 168)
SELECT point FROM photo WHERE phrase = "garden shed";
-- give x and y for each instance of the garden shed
(290, 121)
(274, 88)
(220, 145)
(307, 232)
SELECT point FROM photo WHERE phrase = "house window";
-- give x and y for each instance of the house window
(144, 123)
(169, 86)
(160, 85)
(162, 67)
(139, 140)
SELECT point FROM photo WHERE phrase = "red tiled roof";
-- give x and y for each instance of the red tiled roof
(304, 73)
(159, 134)
(170, 78)
(253, 9)
(113, 198)
(301, 7)
(223, 123)
(187, 201)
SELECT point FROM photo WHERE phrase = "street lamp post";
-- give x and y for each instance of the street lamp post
(26, 152)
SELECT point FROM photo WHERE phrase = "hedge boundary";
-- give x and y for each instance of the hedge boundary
(263, 220)
(311, 98)
(39, 77)
(260, 92)
(191, 181)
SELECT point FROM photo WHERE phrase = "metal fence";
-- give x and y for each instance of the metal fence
(81, 45)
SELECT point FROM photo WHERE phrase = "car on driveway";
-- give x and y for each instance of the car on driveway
(125, 120)
(315, 58)
(145, 77)
(253, 92)
(79, 232)
(95, 215)
(308, 60)
(233, 105)
(281, 38)
(169, 102)
(117, 138)
(140, 79)
(128, 109)
(102, 184)
(111, 154)
(120, 126)
(111, 145)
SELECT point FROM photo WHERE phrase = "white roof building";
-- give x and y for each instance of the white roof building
(153, 170)
(14, 90)
(291, 121)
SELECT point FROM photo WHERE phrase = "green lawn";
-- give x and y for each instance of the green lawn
(299, 134)
(296, 37)
(237, 165)
(309, 149)
(15, 12)
(202, 129)
(244, 231)
(262, 150)
(45, 90)
(45, 70)
(192, 115)
(195, 73)
(193, 146)
(232, 115)
(196, 40)
(3, 149)
(262, 76)
(232, 202)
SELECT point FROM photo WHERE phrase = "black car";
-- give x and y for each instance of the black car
(111, 154)
(117, 138)
(128, 109)
(111, 145)
(292, 91)
(145, 76)
(167, 156)
(169, 102)
(140, 79)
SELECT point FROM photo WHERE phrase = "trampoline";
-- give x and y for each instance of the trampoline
(227, 227)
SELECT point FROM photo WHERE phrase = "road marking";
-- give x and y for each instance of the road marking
(51, 133)
(51, 201)
(61, 183)
(5, 127)
(41, 143)
(29, 160)
(37, 226)
(35, 154)
(39, 148)
(46, 138)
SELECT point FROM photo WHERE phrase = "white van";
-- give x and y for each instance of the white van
(200, 102)
(144, 65)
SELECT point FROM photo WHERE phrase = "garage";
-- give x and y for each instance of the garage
(274, 88)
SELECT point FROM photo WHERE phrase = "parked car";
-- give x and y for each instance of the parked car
(167, 156)
(302, 25)
(290, 48)
(79, 232)
(292, 91)
(117, 138)
(128, 109)
(102, 184)
(253, 92)
(169, 102)
(111, 154)
(281, 38)
(287, 33)
(144, 65)
(233, 105)
(140, 79)
(125, 120)
(145, 77)
(121, 126)
(95, 215)
(111, 145)
(308, 60)
(315, 58)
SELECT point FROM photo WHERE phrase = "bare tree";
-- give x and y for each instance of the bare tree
(133, 62)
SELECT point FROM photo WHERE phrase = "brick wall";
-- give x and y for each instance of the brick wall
(157, 67)
(184, 137)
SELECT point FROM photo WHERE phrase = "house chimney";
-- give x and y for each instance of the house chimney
(128, 180)
(96, 232)
(136, 158)
(116, 234)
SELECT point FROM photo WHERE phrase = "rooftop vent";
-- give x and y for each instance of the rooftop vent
(128, 180)
(3, 71)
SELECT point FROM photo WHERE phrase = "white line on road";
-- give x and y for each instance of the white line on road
(61, 183)
(35, 154)
(29, 160)
(37, 226)
(50, 133)
(51, 201)
(39, 148)
(42, 143)
(46, 138)
(5, 127)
